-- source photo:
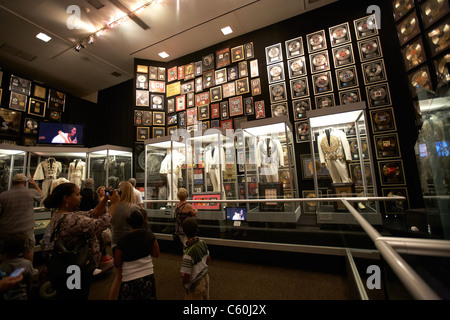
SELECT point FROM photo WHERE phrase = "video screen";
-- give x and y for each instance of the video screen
(442, 149)
(60, 133)
(236, 213)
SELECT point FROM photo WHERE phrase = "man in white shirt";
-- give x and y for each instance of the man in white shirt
(137, 193)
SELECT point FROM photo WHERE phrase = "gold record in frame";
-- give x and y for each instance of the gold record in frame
(159, 118)
(325, 101)
(370, 49)
(396, 206)
(297, 67)
(383, 120)
(36, 107)
(319, 62)
(142, 133)
(299, 88)
(278, 92)
(340, 34)
(366, 27)
(347, 78)
(387, 146)
(294, 48)
(378, 95)
(237, 53)
(343, 56)
(300, 107)
(274, 54)
(280, 110)
(350, 96)
(322, 83)
(420, 80)
(401, 7)
(374, 71)
(408, 28)
(391, 172)
(414, 54)
(438, 37)
(40, 92)
(316, 41)
(275, 72)
(433, 10)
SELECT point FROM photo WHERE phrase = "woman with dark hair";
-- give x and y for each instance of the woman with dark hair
(74, 224)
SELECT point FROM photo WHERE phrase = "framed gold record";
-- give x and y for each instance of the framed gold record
(340, 34)
(357, 174)
(297, 67)
(439, 37)
(302, 131)
(347, 77)
(395, 206)
(158, 132)
(153, 73)
(366, 27)
(440, 66)
(319, 61)
(255, 86)
(224, 111)
(325, 101)
(414, 54)
(31, 126)
(275, 72)
(249, 50)
(408, 28)
(159, 118)
(39, 91)
(299, 88)
(18, 101)
(433, 10)
(278, 92)
(316, 41)
(207, 62)
(280, 110)
(299, 107)
(294, 48)
(370, 49)
(391, 172)
(215, 94)
(220, 76)
(349, 96)
(356, 147)
(378, 95)
(242, 86)
(322, 83)
(310, 206)
(419, 80)
(383, 120)
(401, 7)
(387, 146)
(374, 71)
(343, 56)
(237, 53)
(142, 133)
(223, 58)
(274, 53)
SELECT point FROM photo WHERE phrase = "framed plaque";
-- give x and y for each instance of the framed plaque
(249, 50)
(161, 74)
(205, 125)
(172, 74)
(40, 92)
(343, 56)
(297, 67)
(340, 34)
(208, 79)
(180, 103)
(229, 89)
(275, 72)
(198, 85)
(302, 131)
(356, 173)
(190, 100)
(202, 99)
(319, 62)
(54, 115)
(322, 83)
(378, 95)
(294, 48)
(256, 86)
(153, 73)
(366, 27)
(224, 112)
(20, 85)
(182, 119)
(173, 89)
(325, 101)
(187, 87)
(401, 7)
(350, 96)
(159, 118)
(207, 205)
(260, 109)
(56, 100)
(254, 68)
(420, 79)
(171, 105)
(316, 41)
(220, 76)
(198, 71)
(172, 119)
(142, 133)
(18, 101)
(347, 78)
(433, 10)
(408, 28)
(189, 71)
(310, 206)
(31, 126)
(248, 106)
(203, 113)
(215, 123)
(237, 53)
(300, 107)
(243, 69)
(280, 109)
(157, 102)
(391, 172)
(374, 71)
(383, 120)
(157, 86)
(440, 65)
(414, 54)
(208, 62)
(242, 86)
(215, 110)
(227, 124)
(387, 146)
(299, 88)
(395, 206)
(232, 73)
(191, 115)
(141, 68)
(158, 132)
(278, 92)
(236, 106)
(142, 81)
(222, 58)
(147, 118)
(274, 54)
(370, 49)
(142, 98)
(215, 94)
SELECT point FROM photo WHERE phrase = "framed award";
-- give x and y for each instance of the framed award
(158, 132)
(419, 80)
(325, 101)
(215, 110)
(248, 106)
(438, 37)
(157, 102)
(322, 83)
(254, 68)
(260, 109)
(202, 99)
(343, 56)
(31, 126)
(190, 100)
(302, 131)
(236, 106)
(275, 72)
(274, 54)
(157, 86)
(198, 68)
(191, 115)
(18, 101)
(256, 86)
(172, 74)
(243, 69)
(224, 112)
(173, 89)
(142, 133)
(172, 130)
(378, 95)
(387, 146)
(395, 206)
(355, 148)
(249, 50)
(203, 113)
(159, 118)
(319, 62)
(215, 123)
(20, 85)
(182, 119)
(414, 54)
(232, 73)
(229, 89)
(242, 86)
(280, 109)
(205, 125)
(433, 10)
(383, 120)
(142, 81)
(366, 27)
(440, 65)
(189, 71)
(299, 88)
(161, 74)
(141, 69)
(300, 107)
(198, 85)
(297, 67)
(370, 49)
(401, 7)
(39, 92)
(347, 78)
(357, 174)
(294, 48)
(180, 103)
(56, 100)
(374, 71)
(227, 124)
(208, 79)
(408, 28)
(142, 98)
(310, 206)
(153, 73)
(187, 87)
(215, 94)
(222, 58)
(391, 172)
(349, 96)
(340, 34)
(278, 92)
(172, 119)
(316, 41)
(237, 53)
(221, 76)
(147, 118)
(208, 62)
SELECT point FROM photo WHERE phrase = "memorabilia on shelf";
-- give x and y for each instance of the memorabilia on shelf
(141, 69)
(232, 73)
(215, 94)
(191, 115)
(190, 100)
(172, 74)
(173, 89)
(31, 126)
(222, 58)
(433, 10)
(274, 54)
(254, 68)
(395, 206)
(322, 83)
(172, 119)
(56, 100)
(340, 34)
(157, 86)
(343, 56)
(198, 71)
(215, 111)
(147, 119)
(248, 106)
(236, 107)
(300, 107)
(208, 79)
(18, 101)
(158, 132)
(249, 50)
(419, 80)
(275, 72)
(207, 62)
(294, 48)
(325, 101)
(242, 86)
(414, 54)
(316, 41)
(319, 62)
(198, 85)
(383, 120)
(157, 102)
(391, 172)
(138, 117)
(387, 146)
(349, 96)
(142, 81)
(189, 71)
(370, 49)
(161, 74)
(438, 37)
(366, 27)
(202, 99)
(159, 118)
(256, 86)
(408, 28)
(280, 110)
(229, 89)
(243, 69)
(260, 109)
(142, 133)
(302, 131)
(226, 124)
(20, 85)
(180, 103)
(278, 92)
(347, 78)
(378, 95)
(221, 76)
(203, 113)
(374, 71)
(297, 67)
(39, 92)
(401, 7)
(224, 112)
(299, 88)
(237, 53)
(187, 87)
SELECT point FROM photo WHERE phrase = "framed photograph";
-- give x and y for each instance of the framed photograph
(401, 7)
(414, 54)
(18, 101)
(159, 118)
(142, 98)
(242, 86)
(254, 68)
(236, 106)
(366, 27)
(378, 95)
(189, 72)
(158, 132)
(229, 89)
(419, 79)
(227, 124)
(256, 86)
(182, 119)
(56, 100)
(319, 62)
(297, 67)
(222, 58)
(349, 96)
(208, 79)
(370, 49)
(408, 28)
(215, 110)
(395, 206)
(260, 109)
(224, 112)
(340, 34)
(157, 102)
(191, 115)
(300, 107)
(387, 146)
(187, 87)
(249, 50)
(248, 106)
(20, 85)
(391, 172)
(274, 53)
(173, 89)
(198, 71)
(278, 92)
(203, 113)
(190, 100)
(280, 109)
(202, 99)
(322, 83)
(142, 133)
(237, 53)
(302, 131)
(383, 120)
(325, 101)
(207, 205)
(36, 107)
(172, 119)
(208, 62)
(294, 48)
(40, 92)
(221, 76)
(157, 86)
(299, 88)
(347, 78)
(232, 73)
(243, 69)
(142, 81)
(308, 168)
(343, 56)
(316, 41)
(198, 85)
(181, 103)
(374, 71)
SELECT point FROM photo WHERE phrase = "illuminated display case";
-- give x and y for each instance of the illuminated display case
(343, 163)
(12, 161)
(267, 169)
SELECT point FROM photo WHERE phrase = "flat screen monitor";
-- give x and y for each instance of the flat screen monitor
(236, 213)
(61, 133)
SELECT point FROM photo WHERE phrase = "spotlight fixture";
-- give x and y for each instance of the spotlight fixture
(91, 39)
(78, 47)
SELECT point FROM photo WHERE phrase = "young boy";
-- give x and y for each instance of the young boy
(194, 266)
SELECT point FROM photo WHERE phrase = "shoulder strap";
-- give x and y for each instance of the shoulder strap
(180, 208)
(56, 230)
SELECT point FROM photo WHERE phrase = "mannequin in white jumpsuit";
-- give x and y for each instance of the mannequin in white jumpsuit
(171, 168)
(47, 170)
(77, 172)
(270, 157)
(214, 160)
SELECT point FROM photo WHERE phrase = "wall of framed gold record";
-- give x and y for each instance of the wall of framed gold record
(387, 146)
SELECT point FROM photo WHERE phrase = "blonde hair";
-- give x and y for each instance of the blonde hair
(127, 196)
(182, 194)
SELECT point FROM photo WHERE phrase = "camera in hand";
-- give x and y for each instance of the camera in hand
(109, 191)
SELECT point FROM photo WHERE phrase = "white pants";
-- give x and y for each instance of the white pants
(172, 184)
(338, 171)
(270, 178)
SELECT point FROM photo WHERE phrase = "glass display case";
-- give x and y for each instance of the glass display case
(267, 169)
(343, 163)
(211, 168)
(165, 173)
(108, 165)
(12, 161)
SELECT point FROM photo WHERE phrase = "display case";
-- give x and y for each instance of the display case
(108, 165)
(165, 173)
(267, 169)
(342, 155)
(12, 161)
(211, 170)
